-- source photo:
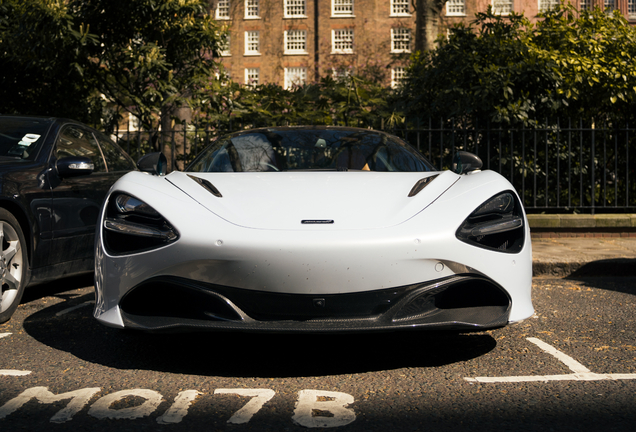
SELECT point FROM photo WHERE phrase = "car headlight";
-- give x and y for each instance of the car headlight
(131, 226)
(497, 224)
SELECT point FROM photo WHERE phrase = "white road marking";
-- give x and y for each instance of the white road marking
(259, 398)
(79, 398)
(101, 409)
(322, 409)
(11, 372)
(574, 366)
(179, 408)
(580, 372)
(72, 308)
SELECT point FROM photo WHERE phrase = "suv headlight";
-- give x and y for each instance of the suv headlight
(497, 224)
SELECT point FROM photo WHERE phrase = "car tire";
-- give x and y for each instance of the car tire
(13, 264)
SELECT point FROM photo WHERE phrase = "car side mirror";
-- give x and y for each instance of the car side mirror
(153, 163)
(73, 166)
(465, 162)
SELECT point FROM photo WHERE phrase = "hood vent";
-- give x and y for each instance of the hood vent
(207, 185)
(421, 184)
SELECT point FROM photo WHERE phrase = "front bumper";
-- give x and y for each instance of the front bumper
(461, 303)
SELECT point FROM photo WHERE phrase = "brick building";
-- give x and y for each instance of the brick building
(289, 42)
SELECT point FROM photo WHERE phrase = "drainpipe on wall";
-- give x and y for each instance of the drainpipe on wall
(316, 43)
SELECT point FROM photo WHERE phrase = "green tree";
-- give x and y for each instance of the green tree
(80, 57)
(505, 69)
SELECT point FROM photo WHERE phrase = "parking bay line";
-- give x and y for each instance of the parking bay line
(72, 308)
(580, 372)
(11, 372)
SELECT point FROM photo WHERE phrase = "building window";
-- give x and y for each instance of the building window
(252, 77)
(585, 4)
(342, 41)
(295, 76)
(397, 76)
(295, 42)
(341, 74)
(224, 45)
(252, 9)
(400, 40)
(631, 9)
(545, 5)
(502, 7)
(341, 8)
(295, 9)
(252, 45)
(400, 7)
(455, 8)
(223, 9)
(609, 4)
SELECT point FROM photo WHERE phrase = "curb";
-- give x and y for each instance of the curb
(581, 221)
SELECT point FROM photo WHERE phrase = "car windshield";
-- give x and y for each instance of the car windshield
(21, 138)
(311, 149)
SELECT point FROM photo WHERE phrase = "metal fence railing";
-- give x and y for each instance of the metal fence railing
(556, 167)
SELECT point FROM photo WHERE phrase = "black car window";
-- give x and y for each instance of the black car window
(22, 137)
(116, 159)
(77, 141)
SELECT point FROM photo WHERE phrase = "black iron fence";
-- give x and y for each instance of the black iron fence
(557, 167)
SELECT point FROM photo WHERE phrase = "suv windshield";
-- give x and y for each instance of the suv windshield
(338, 149)
(21, 138)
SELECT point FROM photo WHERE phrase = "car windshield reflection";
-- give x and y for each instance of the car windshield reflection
(288, 149)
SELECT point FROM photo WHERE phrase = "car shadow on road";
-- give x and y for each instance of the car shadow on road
(615, 267)
(58, 288)
(246, 354)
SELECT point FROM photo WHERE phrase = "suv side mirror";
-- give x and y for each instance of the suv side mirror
(465, 162)
(73, 166)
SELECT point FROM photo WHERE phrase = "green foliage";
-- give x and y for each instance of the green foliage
(506, 70)
(77, 58)
(352, 101)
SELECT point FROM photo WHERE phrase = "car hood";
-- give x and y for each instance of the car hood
(313, 200)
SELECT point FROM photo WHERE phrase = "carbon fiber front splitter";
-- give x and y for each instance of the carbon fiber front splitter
(459, 303)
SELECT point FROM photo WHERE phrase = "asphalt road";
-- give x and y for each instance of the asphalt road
(571, 367)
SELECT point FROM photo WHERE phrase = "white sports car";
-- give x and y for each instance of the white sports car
(312, 229)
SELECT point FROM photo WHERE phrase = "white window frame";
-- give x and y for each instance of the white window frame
(224, 48)
(342, 8)
(252, 40)
(342, 36)
(252, 77)
(456, 8)
(610, 4)
(585, 5)
(290, 8)
(340, 74)
(631, 9)
(398, 73)
(295, 37)
(401, 36)
(401, 8)
(546, 5)
(222, 11)
(252, 9)
(503, 7)
(295, 76)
